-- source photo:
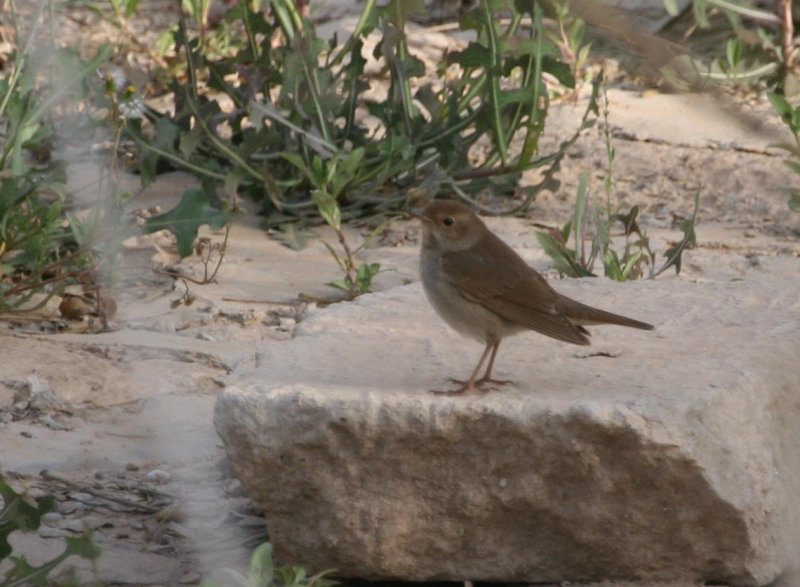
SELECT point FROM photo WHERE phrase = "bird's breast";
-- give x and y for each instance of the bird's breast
(466, 317)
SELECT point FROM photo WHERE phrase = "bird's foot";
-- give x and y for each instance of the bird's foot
(490, 383)
(482, 385)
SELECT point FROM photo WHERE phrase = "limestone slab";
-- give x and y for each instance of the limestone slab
(671, 455)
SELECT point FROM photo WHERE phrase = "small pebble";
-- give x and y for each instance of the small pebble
(52, 519)
(286, 324)
(48, 532)
(76, 526)
(69, 507)
(158, 476)
(164, 326)
(52, 423)
(131, 467)
(285, 311)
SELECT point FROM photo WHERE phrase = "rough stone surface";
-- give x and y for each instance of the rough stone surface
(670, 455)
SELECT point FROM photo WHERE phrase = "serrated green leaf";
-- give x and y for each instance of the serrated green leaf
(674, 254)
(193, 211)
(233, 180)
(559, 70)
(475, 55)
(82, 546)
(629, 224)
(18, 514)
(189, 141)
(398, 11)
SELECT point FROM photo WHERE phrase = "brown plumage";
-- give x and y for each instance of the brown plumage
(484, 290)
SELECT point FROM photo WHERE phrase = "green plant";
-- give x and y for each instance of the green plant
(569, 37)
(330, 178)
(791, 117)
(759, 45)
(262, 573)
(302, 96)
(42, 246)
(23, 514)
(636, 259)
(218, 33)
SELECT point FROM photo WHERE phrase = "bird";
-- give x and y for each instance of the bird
(485, 291)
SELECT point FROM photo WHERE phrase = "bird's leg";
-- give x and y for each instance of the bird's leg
(487, 377)
(467, 386)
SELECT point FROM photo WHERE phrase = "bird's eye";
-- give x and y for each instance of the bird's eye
(448, 221)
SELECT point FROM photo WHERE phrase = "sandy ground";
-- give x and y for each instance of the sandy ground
(119, 424)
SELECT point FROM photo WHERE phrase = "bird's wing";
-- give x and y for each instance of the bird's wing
(511, 289)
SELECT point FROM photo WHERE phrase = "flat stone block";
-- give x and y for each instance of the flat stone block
(671, 455)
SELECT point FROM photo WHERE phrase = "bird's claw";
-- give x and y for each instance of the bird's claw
(482, 385)
(491, 382)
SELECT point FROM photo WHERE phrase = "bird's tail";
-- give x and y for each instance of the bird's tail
(584, 315)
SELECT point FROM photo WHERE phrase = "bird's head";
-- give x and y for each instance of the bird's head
(448, 225)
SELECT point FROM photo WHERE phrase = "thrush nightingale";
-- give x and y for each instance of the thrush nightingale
(484, 290)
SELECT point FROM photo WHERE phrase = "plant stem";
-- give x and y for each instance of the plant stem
(494, 84)
(787, 27)
(403, 82)
(608, 181)
(351, 262)
(536, 115)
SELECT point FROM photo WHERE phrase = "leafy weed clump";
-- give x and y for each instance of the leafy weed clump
(293, 98)
(591, 230)
(43, 245)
